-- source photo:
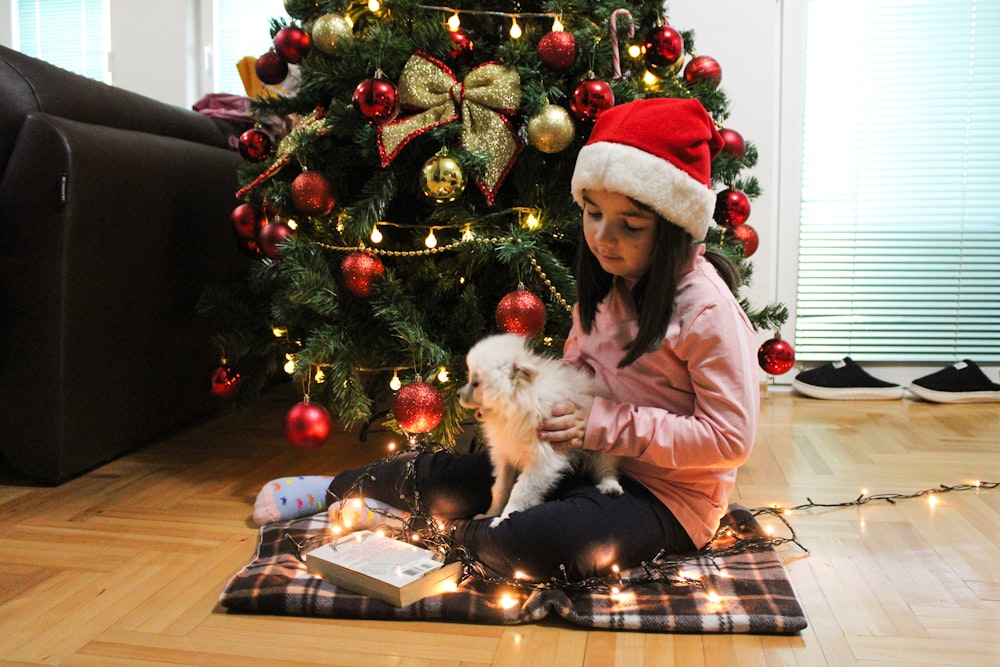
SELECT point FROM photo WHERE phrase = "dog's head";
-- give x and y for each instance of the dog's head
(500, 367)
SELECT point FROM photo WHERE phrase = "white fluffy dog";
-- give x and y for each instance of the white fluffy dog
(512, 389)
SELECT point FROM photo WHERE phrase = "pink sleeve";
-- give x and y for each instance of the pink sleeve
(719, 350)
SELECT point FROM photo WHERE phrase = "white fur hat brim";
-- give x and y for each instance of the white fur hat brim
(648, 179)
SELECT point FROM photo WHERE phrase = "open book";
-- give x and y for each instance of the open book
(391, 570)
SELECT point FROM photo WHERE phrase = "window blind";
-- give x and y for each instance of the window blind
(241, 28)
(72, 34)
(899, 248)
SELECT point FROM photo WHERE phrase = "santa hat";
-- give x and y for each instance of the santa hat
(657, 151)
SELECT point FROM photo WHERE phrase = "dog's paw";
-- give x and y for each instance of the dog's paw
(610, 487)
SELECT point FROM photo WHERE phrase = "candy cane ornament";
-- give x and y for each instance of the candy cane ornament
(616, 58)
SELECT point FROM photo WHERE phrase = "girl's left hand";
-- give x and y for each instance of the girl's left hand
(567, 424)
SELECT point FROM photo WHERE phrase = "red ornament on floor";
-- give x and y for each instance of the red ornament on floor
(776, 356)
(522, 313)
(360, 270)
(732, 208)
(418, 407)
(307, 425)
(292, 44)
(591, 98)
(558, 50)
(225, 382)
(312, 194)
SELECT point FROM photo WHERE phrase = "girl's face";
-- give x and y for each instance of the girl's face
(619, 233)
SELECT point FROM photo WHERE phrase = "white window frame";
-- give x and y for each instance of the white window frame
(790, 186)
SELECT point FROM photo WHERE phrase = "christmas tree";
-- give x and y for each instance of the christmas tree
(422, 198)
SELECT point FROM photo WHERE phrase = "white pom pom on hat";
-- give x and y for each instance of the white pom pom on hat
(657, 151)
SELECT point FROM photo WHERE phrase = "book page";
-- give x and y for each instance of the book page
(383, 558)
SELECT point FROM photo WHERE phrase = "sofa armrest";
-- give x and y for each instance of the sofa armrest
(29, 85)
(109, 238)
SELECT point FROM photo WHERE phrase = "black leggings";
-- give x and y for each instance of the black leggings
(577, 527)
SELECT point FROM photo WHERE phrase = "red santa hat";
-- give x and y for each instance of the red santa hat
(657, 151)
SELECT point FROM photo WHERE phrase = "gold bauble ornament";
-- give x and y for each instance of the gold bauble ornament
(442, 178)
(329, 30)
(552, 130)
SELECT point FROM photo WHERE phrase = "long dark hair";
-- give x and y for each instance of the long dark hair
(654, 298)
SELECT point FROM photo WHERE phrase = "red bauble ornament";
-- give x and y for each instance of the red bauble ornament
(776, 356)
(256, 145)
(590, 99)
(377, 100)
(558, 50)
(270, 236)
(418, 407)
(312, 194)
(521, 313)
(748, 236)
(464, 46)
(732, 208)
(292, 44)
(734, 145)
(271, 68)
(247, 221)
(225, 382)
(662, 49)
(307, 425)
(360, 270)
(705, 70)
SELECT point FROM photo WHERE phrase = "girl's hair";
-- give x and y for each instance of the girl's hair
(654, 299)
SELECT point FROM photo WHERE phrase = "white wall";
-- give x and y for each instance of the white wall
(745, 38)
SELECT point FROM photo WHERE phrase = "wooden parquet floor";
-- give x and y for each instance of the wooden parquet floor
(123, 566)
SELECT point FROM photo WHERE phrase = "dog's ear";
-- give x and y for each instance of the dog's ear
(523, 371)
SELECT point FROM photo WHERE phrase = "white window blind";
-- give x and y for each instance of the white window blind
(72, 34)
(241, 28)
(899, 249)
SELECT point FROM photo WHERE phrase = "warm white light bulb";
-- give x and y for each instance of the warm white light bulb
(532, 222)
(395, 383)
(454, 22)
(376, 235)
(374, 6)
(320, 376)
(442, 375)
(649, 78)
(290, 363)
(431, 240)
(557, 25)
(635, 51)
(515, 29)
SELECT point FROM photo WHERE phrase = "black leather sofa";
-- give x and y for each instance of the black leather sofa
(113, 217)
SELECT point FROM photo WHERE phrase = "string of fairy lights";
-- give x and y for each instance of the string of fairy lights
(416, 525)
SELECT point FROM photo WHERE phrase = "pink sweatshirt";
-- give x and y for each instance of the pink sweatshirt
(683, 415)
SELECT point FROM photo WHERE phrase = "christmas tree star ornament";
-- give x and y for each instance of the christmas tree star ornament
(490, 93)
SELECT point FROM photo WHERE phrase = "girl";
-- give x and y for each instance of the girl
(659, 328)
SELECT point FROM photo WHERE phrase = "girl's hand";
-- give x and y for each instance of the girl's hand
(567, 425)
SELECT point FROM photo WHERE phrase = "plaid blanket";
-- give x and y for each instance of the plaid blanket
(746, 592)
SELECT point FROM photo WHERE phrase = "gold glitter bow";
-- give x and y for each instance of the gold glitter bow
(489, 94)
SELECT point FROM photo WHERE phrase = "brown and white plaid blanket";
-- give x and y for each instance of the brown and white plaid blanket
(746, 592)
